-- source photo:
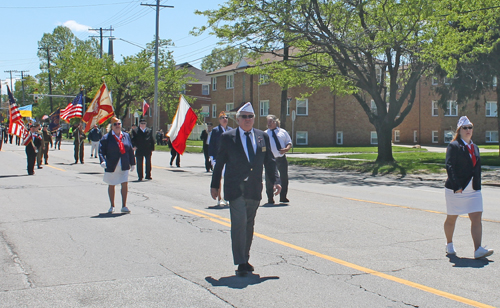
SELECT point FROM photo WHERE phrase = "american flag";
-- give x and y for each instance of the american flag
(16, 124)
(74, 109)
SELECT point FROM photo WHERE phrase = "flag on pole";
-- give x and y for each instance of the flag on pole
(145, 107)
(182, 125)
(26, 111)
(16, 124)
(54, 117)
(100, 109)
(74, 109)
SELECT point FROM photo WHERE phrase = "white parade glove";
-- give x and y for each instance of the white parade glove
(103, 165)
(213, 163)
(132, 168)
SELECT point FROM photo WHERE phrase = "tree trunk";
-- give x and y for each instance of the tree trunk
(384, 136)
(284, 98)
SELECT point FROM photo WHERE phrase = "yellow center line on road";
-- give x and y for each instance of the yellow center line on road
(415, 285)
(55, 168)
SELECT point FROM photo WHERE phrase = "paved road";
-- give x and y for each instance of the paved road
(345, 240)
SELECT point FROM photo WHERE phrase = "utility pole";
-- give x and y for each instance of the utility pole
(156, 118)
(101, 36)
(50, 78)
(22, 83)
(11, 71)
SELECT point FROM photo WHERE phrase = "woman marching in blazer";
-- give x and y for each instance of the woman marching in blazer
(463, 187)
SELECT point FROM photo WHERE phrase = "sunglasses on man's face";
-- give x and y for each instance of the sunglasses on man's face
(117, 124)
(246, 116)
(467, 127)
(224, 118)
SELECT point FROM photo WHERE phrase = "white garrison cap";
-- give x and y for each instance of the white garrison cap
(247, 108)
(463, 121)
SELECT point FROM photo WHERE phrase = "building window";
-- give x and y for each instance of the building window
(435, 80)
(183, 89)
(378, 71)
(214, 83)
(301, 138)
(263, 79)
(373, 107)
(447, 81)
(287, 107)
(229, 106)
(415, 136)
(340, 137)
(435, 138)
(451, 109)
(264, 108)
(495, 81)
(435, 109)
(302, 107)
(448, 136)
(373, 138)
(491, 109)
(205, 88)
(229, 81)
(492, 136)
(214, 111)
(396, 135)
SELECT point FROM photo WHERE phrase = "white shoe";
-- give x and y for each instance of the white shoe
(111, 210)
(125, 210)
(450, 249)
(221, 203)
(482, 252)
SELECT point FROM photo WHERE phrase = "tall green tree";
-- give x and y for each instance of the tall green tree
(220, 57)
(371, 49)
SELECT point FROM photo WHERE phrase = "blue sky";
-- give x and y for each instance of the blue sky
(28, 20)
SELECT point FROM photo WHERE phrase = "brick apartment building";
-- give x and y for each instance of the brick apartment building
(325, 119)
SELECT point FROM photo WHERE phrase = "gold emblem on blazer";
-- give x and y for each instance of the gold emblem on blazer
(263, 149)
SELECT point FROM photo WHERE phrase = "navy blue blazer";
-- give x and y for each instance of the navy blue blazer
(459, 166)
(109, 152)
(214, 144)
(238, 168)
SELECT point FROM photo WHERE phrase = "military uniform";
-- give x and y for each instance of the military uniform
(47, 139)
(79, 136)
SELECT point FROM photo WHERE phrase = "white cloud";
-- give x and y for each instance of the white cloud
(74, 26)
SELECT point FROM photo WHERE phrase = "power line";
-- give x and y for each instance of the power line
(58, 7)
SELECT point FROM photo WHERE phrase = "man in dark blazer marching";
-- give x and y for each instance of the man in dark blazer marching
(244, 152)
(144, 145)
(214, 145)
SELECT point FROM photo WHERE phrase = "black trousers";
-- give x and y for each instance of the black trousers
(174, 154)
(79, 152)
(282, 165)
(208, 165)
(57, 144)
(139, 157)
(31, 158)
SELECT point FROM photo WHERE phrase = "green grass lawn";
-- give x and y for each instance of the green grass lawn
(192, 146)
(489, 146)
(406, 163)
(368, 149)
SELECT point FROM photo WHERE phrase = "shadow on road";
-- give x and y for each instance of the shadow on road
(236, 282)
(468, 262)
(275, 205)
(12, 175)
(109, 215)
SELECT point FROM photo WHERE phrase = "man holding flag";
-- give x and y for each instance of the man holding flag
(32, 142)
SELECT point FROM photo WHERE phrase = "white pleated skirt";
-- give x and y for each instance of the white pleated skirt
(469, 201)
(118, 176)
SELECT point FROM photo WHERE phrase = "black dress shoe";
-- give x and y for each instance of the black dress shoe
(249, 267)
(284, 200)
(242, 270)
(270, 201)
(139, 179)
(149, 178)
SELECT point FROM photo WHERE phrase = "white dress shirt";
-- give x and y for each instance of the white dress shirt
(283, 137)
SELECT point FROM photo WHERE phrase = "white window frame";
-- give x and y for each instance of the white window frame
(183, 89)
(214, 84)
(214, 111)
(447, 81)
(449, 112)
(488, 138)
(205, 89)
(304, 135)
(495, 81)
(378, 71)
(435, 109)
(435, 136)
(229, 106)
(449, 132)
(263, 108)
(263, 79)
(415, 136)
(373, 137)
(435, 80)
(340, 137)
(304, 101)
(397, 136)
(488, 109)
(287, 107)
(230, 81)
(373, 107)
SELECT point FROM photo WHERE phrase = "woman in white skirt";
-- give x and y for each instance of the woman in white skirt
(117, 158)
(463, 187)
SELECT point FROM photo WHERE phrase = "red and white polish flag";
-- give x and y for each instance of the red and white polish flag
(182, 125)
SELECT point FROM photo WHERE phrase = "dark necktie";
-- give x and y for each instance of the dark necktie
(276, 140)
(251, 153)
